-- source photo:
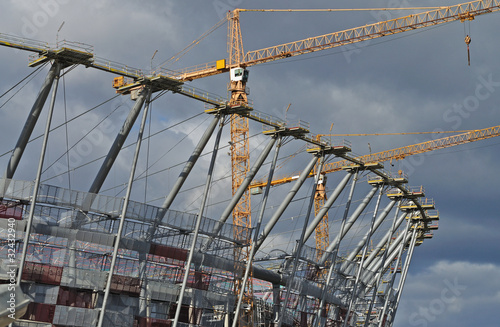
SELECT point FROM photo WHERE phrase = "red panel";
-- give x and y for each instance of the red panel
(201, 281)
(151, 322)
(41, 273)
(9, 209)
(40, 312)
(125, 284)
(169, 252)
(189, 315)
(71, 297)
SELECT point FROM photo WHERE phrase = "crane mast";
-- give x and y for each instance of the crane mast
(240, 157)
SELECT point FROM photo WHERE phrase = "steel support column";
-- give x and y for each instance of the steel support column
(286, 201)
(257, 231)
(404, 275)
(368, 235)
(198, 223)
(124, 211)
(384, 241)
(118, 143)
(352, 301)
(29, 125)
(388, 292)
(300, 241)
(56, 70)
(347, 226)
(187, 168)
(168, 202)
(240, 191)
(384, 259)
(319, 318)
(328, 204)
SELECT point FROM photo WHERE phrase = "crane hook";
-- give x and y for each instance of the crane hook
(467, 41)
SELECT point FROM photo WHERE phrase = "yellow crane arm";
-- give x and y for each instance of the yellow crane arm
(463, 11)
(401, 153)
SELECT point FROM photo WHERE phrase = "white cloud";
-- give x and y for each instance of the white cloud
(450, 293)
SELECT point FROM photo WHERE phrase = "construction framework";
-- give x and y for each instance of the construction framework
(87, 259)
(92, 260)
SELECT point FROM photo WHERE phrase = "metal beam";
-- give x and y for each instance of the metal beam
(300, 241)
(286, 201)
(118, 143)
(124, 211)
(30, 123)
(241, 190)
(361, 207)
(402, 281)
(360, 268)
(256, 235)
(189, 260)
(328, 204)
(384, 240)
(376, 225)
(187, 168)
(166, 206)
(319, 318)
(27, 232)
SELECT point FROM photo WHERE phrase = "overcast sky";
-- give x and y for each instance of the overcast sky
(411, 82)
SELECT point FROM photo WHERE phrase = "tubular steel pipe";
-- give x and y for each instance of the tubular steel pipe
(168, 202)
(328, 204)
(124, 211)
(31, 121)
(289, 197)
(198, 224)
(36, 187)
(240, 191)
(117, 144)
(257, 231)
(187, 168)
(298, 249)
(348, 224)
(395, 225)
(358, 274)
(318, 317)
(404, 275)
(368, 235)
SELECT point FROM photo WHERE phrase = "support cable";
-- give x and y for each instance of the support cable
(101, 157)
(61, 125)
(184, 51)
(77, 142)
(36, 71)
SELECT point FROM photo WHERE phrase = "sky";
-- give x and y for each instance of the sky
(417, 81)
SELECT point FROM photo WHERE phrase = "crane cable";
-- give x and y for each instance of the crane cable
(467, 41)
(342, 9)
(396, 133)
(188, 48)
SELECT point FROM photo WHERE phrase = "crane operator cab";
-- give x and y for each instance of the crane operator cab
(239, 74)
